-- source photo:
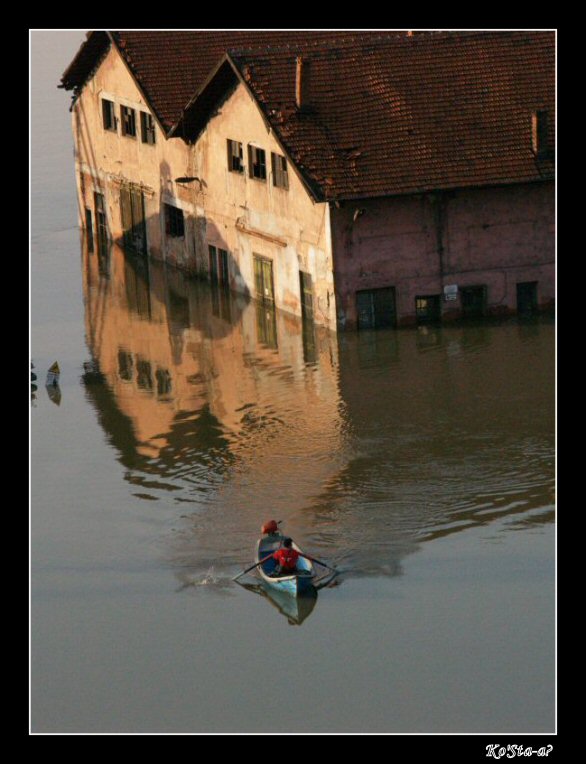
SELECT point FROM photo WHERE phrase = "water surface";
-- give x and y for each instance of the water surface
(420, 462)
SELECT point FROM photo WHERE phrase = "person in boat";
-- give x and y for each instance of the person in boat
(286, 558)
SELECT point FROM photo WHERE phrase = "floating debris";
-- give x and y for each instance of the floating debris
(53, 375)
(52, 384)
(54, 393)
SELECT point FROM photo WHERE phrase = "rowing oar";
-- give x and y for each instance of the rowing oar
(319, 562)
(268, 557)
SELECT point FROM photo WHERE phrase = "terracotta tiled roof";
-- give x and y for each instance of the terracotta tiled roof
(170, 67)
(391, 114)
(86, 59)
(411, 114)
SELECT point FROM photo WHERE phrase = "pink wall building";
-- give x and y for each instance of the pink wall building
(470, 252)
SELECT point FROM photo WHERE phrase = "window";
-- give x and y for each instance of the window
(108, 115)
(280, 176)
(147, 128)
(125, 365)
(174, 225)
(428, 308)
(527, 298)
(89, 228)
(375, 308)
(539, 133)
(101, 223)
(263, 278)
(133, 218)
(257, 163)
(473, 301)
(144, 374)
(235, 156)
(163, 381)
(218, 266)
(128, 117)
(306, 291)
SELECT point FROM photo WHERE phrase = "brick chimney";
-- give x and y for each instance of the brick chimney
(302, 83)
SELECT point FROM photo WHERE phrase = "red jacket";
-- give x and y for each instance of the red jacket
(287, 558)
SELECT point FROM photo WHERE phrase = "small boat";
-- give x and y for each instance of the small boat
(297, 583)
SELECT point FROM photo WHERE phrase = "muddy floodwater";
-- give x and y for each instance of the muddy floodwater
(419, 462)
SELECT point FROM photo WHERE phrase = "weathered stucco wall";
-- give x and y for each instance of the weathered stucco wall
(247, 216)
(231, 211)
(105, 158)
(495, 237)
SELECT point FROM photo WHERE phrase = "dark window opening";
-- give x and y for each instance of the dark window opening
(128, 117)
(263, 278)
(221, 303)
(125, 365)
(108, 115)
(235, 156)
(163, 382)
(147, 128)
(473, 301)
(213, 264)
(144, 374)
(280, 174)
(527, 298)
(308, 340)
(101, 223)
(174, 225)
(89, 230)
(428, 309)
(306, 291)
(376, 308)
(218, 266)
(257, 163)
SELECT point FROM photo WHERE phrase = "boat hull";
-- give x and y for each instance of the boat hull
(296, 584)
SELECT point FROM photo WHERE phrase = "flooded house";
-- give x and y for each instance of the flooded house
(356, 179)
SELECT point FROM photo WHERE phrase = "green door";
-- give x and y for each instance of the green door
(133, 218)
(263, 278)
(376, 308)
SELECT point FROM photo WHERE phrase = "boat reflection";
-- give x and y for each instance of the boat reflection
(295, 609)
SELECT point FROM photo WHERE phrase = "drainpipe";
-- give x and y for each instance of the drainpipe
(438, 208)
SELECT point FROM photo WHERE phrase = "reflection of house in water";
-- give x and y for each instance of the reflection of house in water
(359, 179)
(365, 446)
(194, 376)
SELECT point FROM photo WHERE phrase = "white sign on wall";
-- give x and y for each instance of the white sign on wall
(450, 292)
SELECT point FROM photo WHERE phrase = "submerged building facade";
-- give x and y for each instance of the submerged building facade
(357, 179)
